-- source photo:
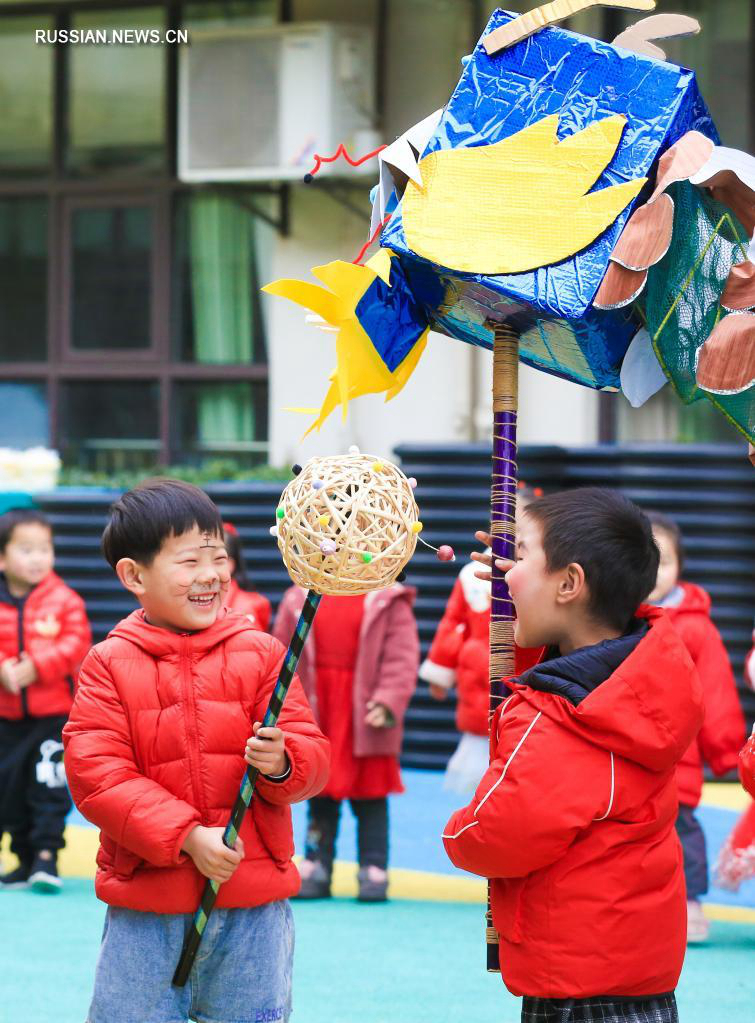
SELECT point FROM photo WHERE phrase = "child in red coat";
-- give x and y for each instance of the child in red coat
(156, 746)
(720, 739)
(459, 656)
(44, 635)
(573, 822)
(736, 861)
(359, 669)
(242, 596)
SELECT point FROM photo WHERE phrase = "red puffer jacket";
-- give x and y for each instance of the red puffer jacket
(459, 653)
(253, 605)
(574, 821)
(720, 739)
(154, 746)
(51, 625)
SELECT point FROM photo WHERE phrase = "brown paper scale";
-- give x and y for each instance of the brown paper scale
(726, 362)
(620, 286)
(685, 158)
(739, 293)
(646, 238)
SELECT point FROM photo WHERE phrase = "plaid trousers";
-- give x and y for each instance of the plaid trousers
(599, 1010)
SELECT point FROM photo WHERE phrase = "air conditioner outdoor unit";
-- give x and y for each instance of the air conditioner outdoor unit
(255, 104)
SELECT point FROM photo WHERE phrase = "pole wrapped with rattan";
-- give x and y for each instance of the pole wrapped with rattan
(503, 486)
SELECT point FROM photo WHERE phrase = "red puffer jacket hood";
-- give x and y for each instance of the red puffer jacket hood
(723, 730)
(154, 746)
(51, 626)
(574, 820)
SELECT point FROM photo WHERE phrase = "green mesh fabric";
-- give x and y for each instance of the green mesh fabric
(681, 299)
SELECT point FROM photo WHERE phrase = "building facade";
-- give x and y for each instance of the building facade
(132, 328)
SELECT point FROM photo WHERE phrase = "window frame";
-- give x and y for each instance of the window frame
(66, 191)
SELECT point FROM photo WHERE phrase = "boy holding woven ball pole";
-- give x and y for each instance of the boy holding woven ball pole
(167, 714)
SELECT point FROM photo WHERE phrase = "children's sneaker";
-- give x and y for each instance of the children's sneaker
(16, 880)
(315, 881)
(43, 876)
(373, 884)
(698, 928)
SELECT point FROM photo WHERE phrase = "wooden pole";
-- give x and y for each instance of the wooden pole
(503, 486)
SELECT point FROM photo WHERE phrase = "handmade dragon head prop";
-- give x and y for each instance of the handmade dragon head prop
(576, 191)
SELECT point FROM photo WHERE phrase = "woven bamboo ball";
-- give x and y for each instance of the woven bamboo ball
(347, 524)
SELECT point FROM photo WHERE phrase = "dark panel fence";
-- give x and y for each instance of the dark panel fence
(709, 490)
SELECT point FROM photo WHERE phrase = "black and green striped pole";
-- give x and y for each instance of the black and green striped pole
(244, 798)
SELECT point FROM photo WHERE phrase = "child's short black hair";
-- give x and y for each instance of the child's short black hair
(610, 537)
(146, 516)
(668, 526)
(19, 517)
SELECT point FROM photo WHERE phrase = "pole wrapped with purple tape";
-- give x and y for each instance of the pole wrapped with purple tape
(503, 487)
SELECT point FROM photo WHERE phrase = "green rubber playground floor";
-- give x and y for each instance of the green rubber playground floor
(402, 962)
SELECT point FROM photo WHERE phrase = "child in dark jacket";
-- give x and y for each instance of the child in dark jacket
(723, 731)
(44, 635)
(167, 711)
(574, 820)
(359, 669)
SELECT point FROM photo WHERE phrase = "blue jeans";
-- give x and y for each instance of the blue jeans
(242, 973)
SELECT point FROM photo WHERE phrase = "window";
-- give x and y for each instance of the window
(117, 98)
(23, 280)
(108, 426)
(217, 309)
(111, 275)
(26, 73)
(24, 420)
(224, 419)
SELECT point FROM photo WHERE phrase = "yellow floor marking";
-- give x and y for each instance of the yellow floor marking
(725, 796)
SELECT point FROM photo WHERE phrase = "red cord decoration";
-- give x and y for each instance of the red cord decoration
(369, 241)
(340, 152)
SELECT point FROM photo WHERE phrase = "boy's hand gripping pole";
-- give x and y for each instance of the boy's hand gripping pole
(503, 487)
(244, 798)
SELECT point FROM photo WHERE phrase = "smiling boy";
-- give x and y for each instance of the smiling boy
(574, 820)
(155, 750)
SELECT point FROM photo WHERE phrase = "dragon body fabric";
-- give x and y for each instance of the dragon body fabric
(577, 192)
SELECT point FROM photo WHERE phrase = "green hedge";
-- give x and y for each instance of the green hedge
(219, 471)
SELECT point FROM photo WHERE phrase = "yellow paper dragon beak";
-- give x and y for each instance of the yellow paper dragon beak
(359, 367)
(519, 204)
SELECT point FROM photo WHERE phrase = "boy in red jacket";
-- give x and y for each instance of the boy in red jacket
(155, 751)
(44, 635)
(720, 739)
(574, 820)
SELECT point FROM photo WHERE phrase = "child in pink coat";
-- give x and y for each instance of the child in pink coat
(359, 670)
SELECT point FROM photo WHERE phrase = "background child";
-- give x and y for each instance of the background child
(720, 739)
(155, 750)
(242, 596)
(574, 820)
(44, 635)
(359, 669)
(458, 657)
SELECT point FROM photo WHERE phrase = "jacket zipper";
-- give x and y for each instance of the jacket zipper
(191, 727)
(24, 697)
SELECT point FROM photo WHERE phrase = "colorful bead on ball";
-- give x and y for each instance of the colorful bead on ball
(323, 519)
(328, 547)
(281, 513)
(417, 527)
(412, 482)
(366, 557)
(445, 553)
(377, 466)
(317, 484)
